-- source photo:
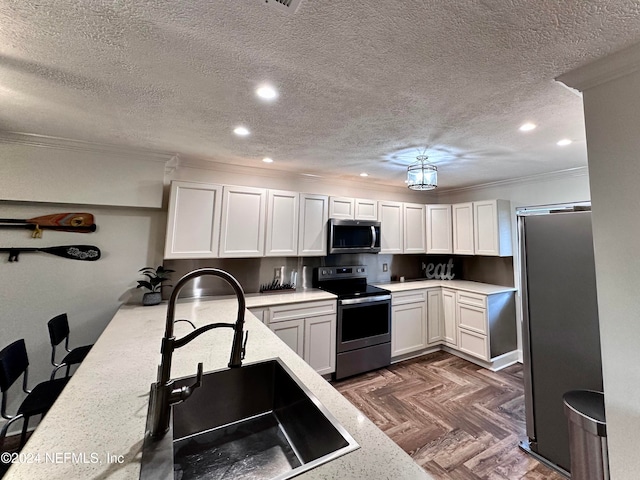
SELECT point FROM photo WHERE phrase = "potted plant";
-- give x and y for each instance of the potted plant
(154, 283)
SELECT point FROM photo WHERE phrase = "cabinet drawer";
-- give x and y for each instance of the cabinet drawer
(472, 318)
(413, 296)
(281, 313)
(473, 344)
(472, 299)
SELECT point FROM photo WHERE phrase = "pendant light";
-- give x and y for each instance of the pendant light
(422, 175)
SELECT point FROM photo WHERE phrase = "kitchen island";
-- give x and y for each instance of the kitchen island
(96, 428)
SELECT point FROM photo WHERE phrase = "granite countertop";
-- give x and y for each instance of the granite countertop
(96, 428)
(467, 286)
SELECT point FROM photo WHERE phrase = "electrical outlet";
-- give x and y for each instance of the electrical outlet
(385, 267)
(276, 273)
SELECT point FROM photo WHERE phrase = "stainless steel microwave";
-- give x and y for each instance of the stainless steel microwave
(353, 236)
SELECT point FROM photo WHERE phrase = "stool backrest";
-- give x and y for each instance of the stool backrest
(13, 363)
(58, 329)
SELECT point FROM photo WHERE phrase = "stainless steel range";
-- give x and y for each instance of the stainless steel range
(364, 319)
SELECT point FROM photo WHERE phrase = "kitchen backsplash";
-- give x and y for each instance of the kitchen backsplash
(253, 272)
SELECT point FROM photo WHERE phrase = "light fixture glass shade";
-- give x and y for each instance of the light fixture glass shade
(422, 175)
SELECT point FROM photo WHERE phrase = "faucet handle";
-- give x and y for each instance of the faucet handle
(198, 378)
(244, 345)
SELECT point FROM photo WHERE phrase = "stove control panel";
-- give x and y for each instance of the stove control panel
(333, 273)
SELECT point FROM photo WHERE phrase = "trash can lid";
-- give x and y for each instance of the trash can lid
(586, 408)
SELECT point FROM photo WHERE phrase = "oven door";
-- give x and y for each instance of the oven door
(363, 322)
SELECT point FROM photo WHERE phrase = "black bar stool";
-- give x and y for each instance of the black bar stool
(14, 363)
(58, 331)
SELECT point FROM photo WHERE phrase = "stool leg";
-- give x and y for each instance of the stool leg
(23, 436)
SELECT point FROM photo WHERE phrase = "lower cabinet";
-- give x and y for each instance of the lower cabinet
(480, 325)
(408, 328)
(450, 334)
(309, 329)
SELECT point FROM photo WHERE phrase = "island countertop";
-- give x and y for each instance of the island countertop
(96, 428)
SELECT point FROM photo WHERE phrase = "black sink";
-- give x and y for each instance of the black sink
(257, 421)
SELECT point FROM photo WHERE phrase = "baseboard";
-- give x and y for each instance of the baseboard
(409, 356)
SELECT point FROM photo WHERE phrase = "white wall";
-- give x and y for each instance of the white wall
(561, 187)
(612, 114)
(68, 175)
(266, 178)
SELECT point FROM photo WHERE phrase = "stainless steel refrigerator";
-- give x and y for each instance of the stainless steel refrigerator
(561, 337)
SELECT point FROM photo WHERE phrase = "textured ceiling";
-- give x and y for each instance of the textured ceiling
(359, 81)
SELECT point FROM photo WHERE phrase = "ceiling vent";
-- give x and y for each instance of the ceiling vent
(289, 6)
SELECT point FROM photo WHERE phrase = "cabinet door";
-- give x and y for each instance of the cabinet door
(439, 229)
(449, 314)
(492, 227)
(320, 343)
(472, 318)
(366, 209)
(408, 328)
(391, 227)
(193, 222)
(290, 332)
(312, 227)
(243, 222)
(414, 228)
(341, 207)
(463, 228)
(282, 224)
(435, 317)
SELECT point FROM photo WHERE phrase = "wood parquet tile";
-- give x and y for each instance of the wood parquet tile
(457, 420)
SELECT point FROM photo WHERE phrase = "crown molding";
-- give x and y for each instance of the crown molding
(541, 177)
(68, 144)
(602, 70)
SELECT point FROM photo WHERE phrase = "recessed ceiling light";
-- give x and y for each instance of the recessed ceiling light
(267, 92)
(241, 131)
(363, 174)
(564, 142)
(527, 127)
(267, 160)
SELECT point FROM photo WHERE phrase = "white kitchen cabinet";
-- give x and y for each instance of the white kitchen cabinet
(193, 222)
(486, 324)
(449, 317)
(243, 222)
(414, 219)
(261, 314)
(342, 207)
(309, 329)
(435, 316)
(366, 209)
(291, 332)
(439, 229)
(492, 228)
(462, 214)
(320, 343)
(391, 227)
(282, 224)
(312, 225)
(408, 322)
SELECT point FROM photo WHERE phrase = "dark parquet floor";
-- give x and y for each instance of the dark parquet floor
(457, 420)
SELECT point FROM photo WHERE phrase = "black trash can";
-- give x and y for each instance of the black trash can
(587, 435)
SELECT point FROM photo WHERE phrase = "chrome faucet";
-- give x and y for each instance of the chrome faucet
(163, 395)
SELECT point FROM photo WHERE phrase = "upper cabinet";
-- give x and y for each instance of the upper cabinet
(462, 214)
(312, 226)
(282, 224)
(439, 229)
(366, 209)
(243, 222)
(492, 228)
(341, 207)
(353, 208)
(391, 217)
(193, 222)
(414, 228)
